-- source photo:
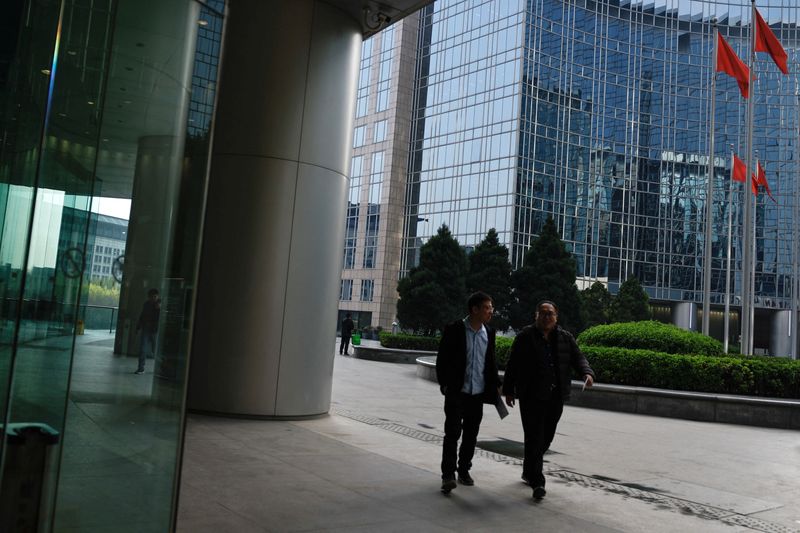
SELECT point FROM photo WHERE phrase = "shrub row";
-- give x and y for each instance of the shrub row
(755, 376)
(502, 349)
(402, 341)
(650, 335)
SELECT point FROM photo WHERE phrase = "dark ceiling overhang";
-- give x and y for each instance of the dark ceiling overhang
(376, 15)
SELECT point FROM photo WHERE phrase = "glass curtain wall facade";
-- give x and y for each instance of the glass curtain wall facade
(596, 113)
(463, 164)
(105, 122)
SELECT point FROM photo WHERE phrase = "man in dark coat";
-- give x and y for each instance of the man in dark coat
(347, 330)
(147, 326)
(538, 374)
(467, 375)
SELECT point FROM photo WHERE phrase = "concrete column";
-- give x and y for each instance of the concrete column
(265, 319)
(782, 333)
(684, 315)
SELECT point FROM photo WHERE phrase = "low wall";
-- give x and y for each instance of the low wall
(702, 406)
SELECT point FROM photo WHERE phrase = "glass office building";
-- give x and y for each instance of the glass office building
(596, 113)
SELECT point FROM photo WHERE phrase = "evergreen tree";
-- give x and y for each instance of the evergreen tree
(490, 272)
(631, 303)
(434, 292)
(595, 304)
(548, 273)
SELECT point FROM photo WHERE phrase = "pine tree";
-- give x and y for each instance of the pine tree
(548, 273)
(490, 272)
(595, 304)
(434, 292)
(631, 303)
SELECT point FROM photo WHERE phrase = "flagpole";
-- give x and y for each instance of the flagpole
(710, 194)
(795, 273)
(754, 207)
(747, 251)
(727, 324)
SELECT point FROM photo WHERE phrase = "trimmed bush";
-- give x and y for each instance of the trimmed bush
(403, 341)
(502, 349)
(755, 376)
(650, 335)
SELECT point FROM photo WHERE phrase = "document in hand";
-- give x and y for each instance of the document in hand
(500, 406)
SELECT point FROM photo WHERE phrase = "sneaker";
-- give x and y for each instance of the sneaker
(139, 372)
(538, 493)
(448, 485)
(525, 479)
(466, 479)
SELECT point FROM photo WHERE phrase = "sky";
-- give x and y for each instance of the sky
(115, 207)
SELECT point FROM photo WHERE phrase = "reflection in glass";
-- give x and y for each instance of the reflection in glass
(105, 134)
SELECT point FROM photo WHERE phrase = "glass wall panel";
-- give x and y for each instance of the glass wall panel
(39, 300)
(106, 117)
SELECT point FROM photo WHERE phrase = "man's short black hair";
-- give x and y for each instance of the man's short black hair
(477, 299)
(152, 292)
(348, 315)
(542, 302)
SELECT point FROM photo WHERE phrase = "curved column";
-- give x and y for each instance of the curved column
(684, 315)
(268, 289)
(782, 334)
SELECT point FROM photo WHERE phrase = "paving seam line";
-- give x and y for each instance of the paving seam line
(678, 504)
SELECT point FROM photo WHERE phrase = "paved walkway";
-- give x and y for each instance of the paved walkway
(373, 465)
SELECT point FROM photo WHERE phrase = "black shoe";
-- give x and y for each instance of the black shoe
(448, 484)
(466, 479)
(525, 479)
(538, 493)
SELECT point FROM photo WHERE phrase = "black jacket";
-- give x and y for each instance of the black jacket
(347, 327)
(451, 362)
(527, 374)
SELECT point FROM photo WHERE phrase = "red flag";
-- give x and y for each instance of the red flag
(729, 63)
(761, 179)
(754, 184)
(739, 170)
(767, 42)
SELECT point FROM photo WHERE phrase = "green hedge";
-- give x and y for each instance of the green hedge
(402, 341)
(755, 376)
(650, 335)
(502, 349)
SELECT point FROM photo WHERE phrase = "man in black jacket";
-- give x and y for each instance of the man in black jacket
(538, 374)
(467, 375)
(347, 330)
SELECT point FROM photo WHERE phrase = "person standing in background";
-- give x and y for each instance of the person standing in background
(147, 326)
(347, 330)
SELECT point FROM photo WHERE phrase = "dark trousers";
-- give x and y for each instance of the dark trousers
(462, 412)
(344, 345)
(539, 421)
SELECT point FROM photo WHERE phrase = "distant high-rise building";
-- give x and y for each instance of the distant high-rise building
(596, 113)
(376, 203)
